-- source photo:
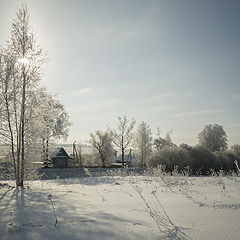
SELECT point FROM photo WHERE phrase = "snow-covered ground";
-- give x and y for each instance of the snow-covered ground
(115, 207)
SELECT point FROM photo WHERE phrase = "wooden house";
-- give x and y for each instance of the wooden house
(59, 158)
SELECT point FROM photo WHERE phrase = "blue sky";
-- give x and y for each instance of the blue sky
(172, 63)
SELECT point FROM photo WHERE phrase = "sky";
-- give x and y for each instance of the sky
(171, 63)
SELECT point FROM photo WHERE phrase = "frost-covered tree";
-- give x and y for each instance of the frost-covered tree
(235, 149)
(123, 135)
(102, 143)
(21, 62)
(166, 142)
(185, 147)
(213, 137)
(144, 142)
(49, 121)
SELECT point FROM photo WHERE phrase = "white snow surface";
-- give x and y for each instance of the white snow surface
(117, 207)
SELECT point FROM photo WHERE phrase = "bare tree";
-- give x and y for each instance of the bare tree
(20, 63)
(123, 135)
(102, 142)
(144, 142)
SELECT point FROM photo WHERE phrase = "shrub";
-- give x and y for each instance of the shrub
(186, 147)
(170, 157)
(198, 158)
(225, 160)
(202, 159)
(90, 160)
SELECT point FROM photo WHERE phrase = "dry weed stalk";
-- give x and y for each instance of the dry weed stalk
(235, 175)
(159, 215)
(237, 167)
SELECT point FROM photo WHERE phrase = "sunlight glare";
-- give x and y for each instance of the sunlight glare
(23, 61)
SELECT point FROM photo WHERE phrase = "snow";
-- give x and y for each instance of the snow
(117, 207)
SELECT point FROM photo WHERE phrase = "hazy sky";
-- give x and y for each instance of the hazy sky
(172, 63)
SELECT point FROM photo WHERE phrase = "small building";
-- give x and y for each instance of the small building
(128, 159)
(59, 158)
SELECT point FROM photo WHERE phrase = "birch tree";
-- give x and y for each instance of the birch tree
(21, 63)
(144, 142)
(9, 93)
(123, 135)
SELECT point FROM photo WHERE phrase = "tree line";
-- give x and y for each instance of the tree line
(211, 152)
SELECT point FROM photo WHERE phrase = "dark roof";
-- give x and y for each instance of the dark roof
(59, 152)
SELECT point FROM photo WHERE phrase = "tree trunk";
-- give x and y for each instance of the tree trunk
(16, 166)
(47, 148)
(43, 150)
(122, 148)
(122, 157)
(23, 126)
(142, 156)
(103, 161)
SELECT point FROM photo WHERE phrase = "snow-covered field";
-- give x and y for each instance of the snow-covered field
(117, 207)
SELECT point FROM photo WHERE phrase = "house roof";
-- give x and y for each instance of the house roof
(59, 152)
